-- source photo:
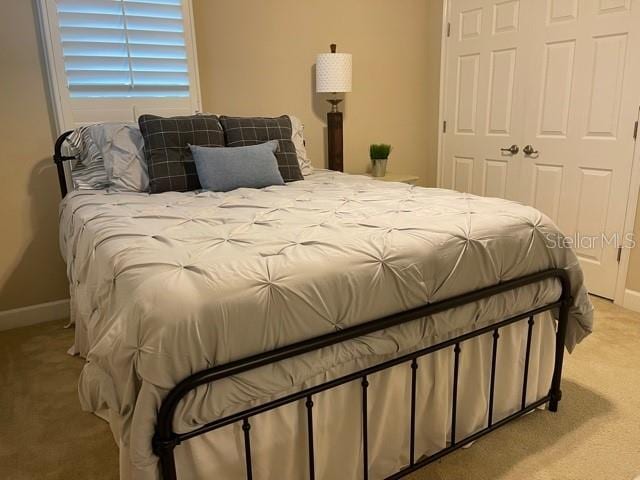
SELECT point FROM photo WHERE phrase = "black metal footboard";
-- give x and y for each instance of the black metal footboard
(165, 439)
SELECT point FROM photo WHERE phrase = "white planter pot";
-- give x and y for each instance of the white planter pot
(379, 168)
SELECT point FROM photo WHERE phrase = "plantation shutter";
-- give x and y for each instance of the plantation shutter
(123, 48)
(114, 60)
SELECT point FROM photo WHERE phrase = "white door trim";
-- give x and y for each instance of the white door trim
(443, 90)
(629, 223)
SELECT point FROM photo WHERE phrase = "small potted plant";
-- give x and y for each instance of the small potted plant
(379, 153)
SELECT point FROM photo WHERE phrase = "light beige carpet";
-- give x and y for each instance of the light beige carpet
(594, 436)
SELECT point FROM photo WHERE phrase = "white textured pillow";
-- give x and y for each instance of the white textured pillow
(122, 148)
(88, 172)
(297, 135)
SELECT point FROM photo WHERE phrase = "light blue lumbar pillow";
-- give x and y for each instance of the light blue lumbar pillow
(223, 169)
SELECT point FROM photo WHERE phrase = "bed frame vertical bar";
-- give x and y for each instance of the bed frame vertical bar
(527, 355)
(167, 459)
(412, 438)
(246, 428)
(365, 430)
(454, 400)
(312, 467)
(555, 393)
(492, 387)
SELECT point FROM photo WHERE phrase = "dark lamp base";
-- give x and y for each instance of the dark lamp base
(334, 134)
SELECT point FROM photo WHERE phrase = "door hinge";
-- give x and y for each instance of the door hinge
(448, 29)
(619, 254)
(635, 130)
(444, 127)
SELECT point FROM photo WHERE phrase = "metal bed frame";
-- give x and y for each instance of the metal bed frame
(165, 439)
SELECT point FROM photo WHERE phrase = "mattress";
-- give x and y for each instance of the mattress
(166, 285)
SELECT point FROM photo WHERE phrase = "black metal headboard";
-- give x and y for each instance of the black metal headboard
(59, 160)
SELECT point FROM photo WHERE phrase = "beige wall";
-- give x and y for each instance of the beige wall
(31, 270)
(256, 58)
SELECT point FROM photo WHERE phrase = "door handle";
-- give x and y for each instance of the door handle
(528, 150)
(513, 149)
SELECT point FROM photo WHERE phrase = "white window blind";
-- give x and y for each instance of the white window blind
(123, 48)
(114, 60)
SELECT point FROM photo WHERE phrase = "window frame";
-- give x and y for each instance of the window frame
(72, 113)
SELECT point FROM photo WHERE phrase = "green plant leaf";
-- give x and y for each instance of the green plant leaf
(379, 151)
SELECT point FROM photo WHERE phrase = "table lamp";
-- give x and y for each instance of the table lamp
(333, 75)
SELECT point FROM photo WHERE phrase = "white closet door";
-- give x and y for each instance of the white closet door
(485, 76)
(571, 93)
(582, 103)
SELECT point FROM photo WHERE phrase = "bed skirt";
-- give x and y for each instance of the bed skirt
(279, 437)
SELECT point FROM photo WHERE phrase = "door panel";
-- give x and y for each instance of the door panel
(559, 11)
(495, 176)
(463, 173)
(555, 97)
(609, 54)
(467, 98)
(547, 188)
(502, 67)
(470, 23)
(614, 6)
(506, 16)
(594, 199)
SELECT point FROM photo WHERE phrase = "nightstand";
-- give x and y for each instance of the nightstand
(397, 177)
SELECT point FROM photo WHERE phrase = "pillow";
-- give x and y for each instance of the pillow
(122, 149)
(166, 147)
(88, 172)
(297, 136)
(225, 169)
(244, 131)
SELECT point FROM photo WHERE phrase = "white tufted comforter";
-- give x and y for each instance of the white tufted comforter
(165, 285)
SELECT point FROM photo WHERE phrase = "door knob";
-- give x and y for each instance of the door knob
(513, 149)
(528, 150)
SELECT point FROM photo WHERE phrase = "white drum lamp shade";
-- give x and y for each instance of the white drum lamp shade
(333, 73)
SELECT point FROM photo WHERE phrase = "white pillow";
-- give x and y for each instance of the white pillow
(122, 148)
(297, 135)
(88, 172)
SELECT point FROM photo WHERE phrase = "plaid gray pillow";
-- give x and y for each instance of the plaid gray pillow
(244, 131)
(169, 160)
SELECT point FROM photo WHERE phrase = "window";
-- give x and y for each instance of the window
(111, 60)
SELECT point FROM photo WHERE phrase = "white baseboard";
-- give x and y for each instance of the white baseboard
(631, 300)
(43, 312)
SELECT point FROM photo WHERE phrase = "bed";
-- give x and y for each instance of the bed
(336, 327)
